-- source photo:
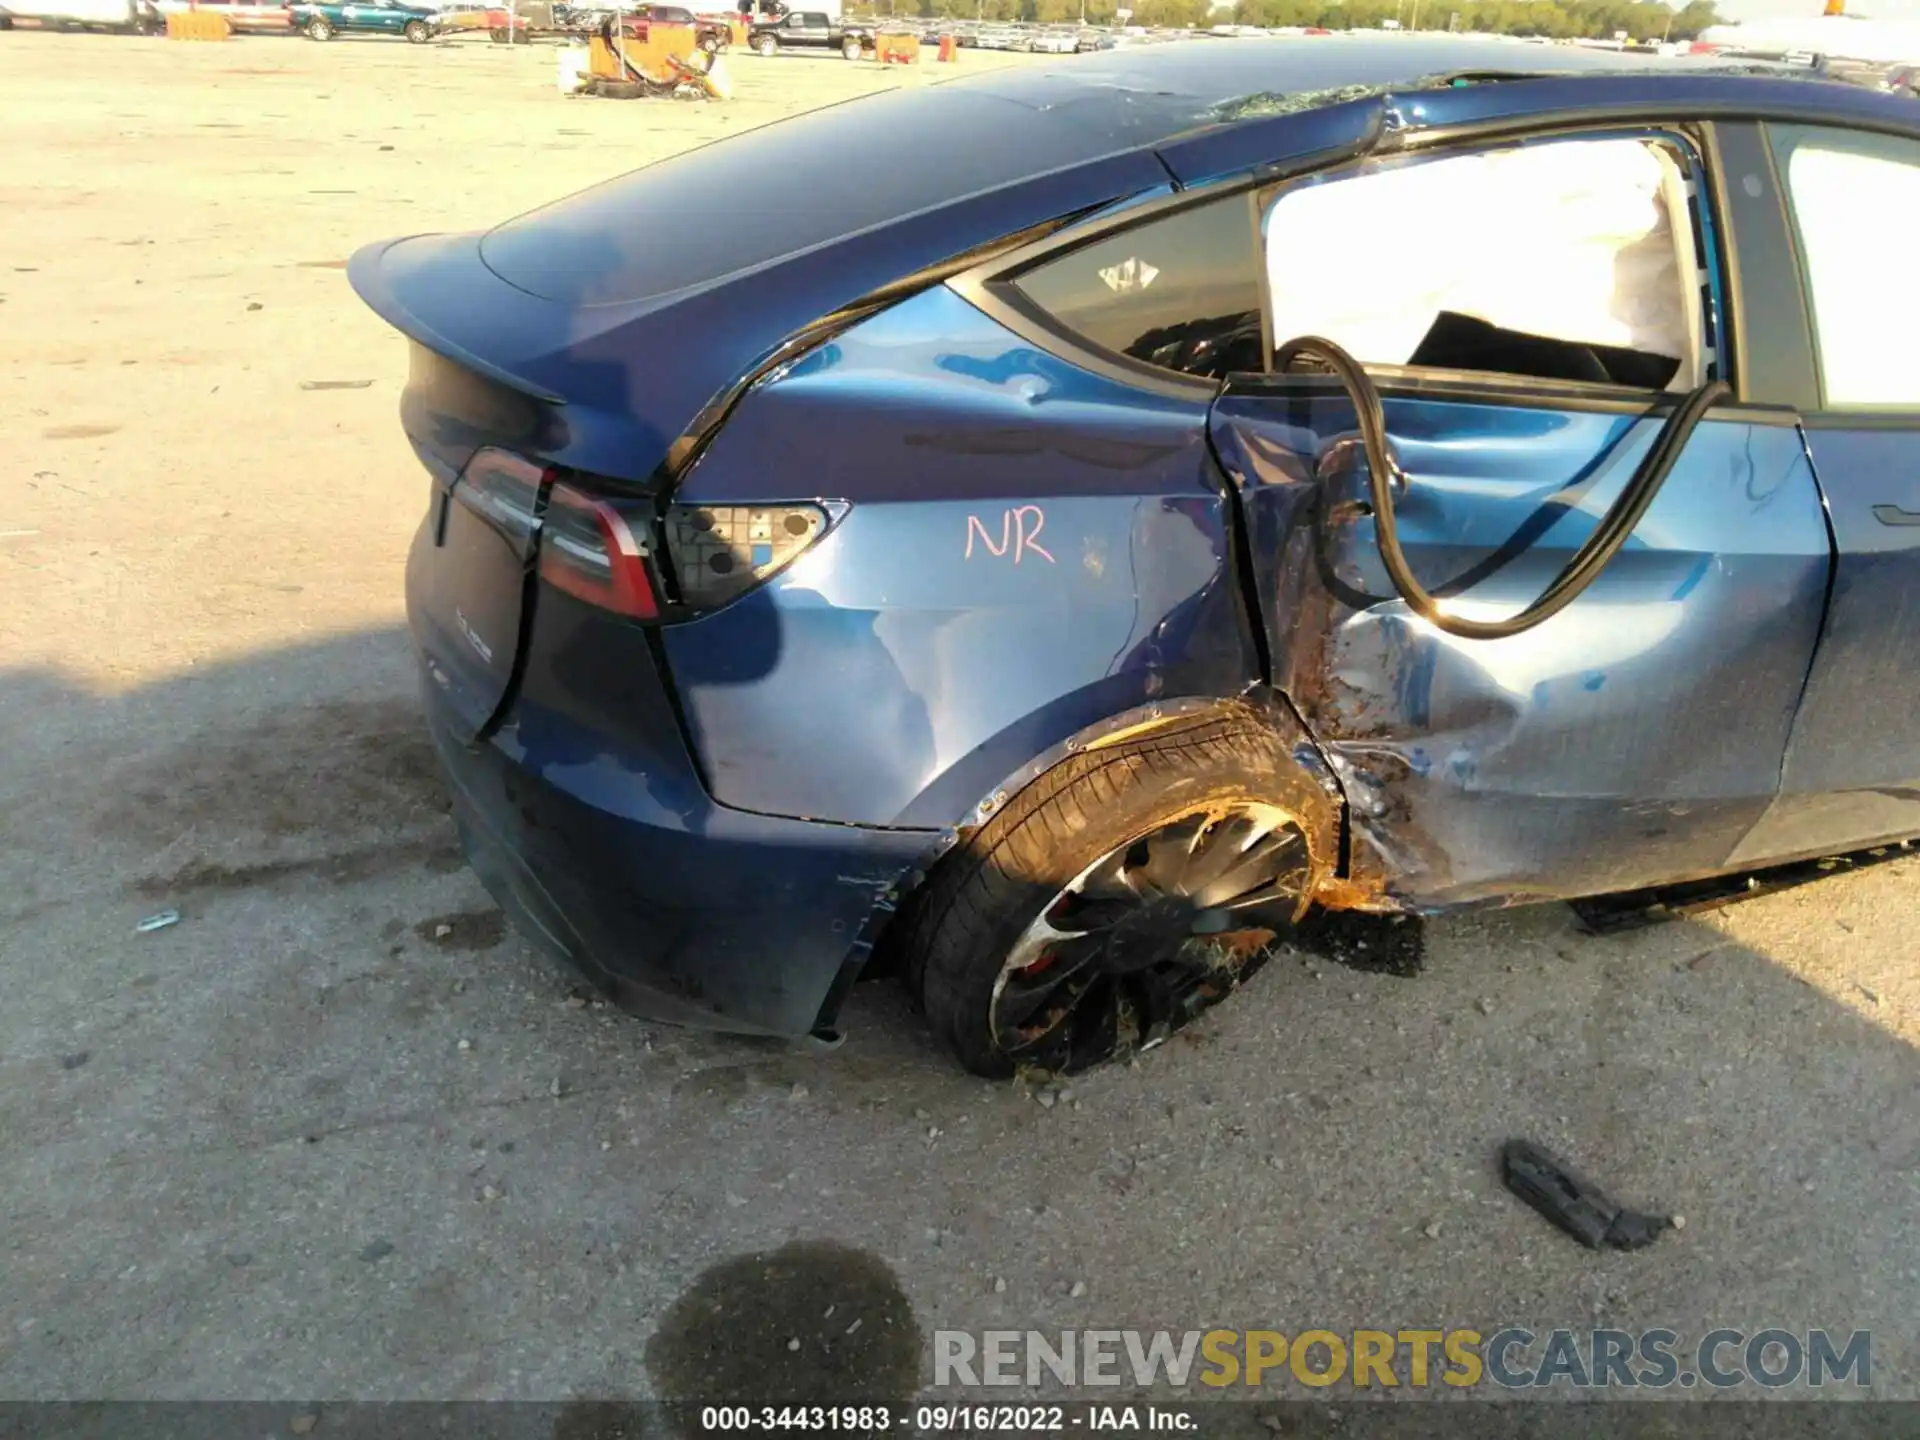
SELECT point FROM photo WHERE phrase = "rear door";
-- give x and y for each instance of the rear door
(1844, 203)
(1531, 315)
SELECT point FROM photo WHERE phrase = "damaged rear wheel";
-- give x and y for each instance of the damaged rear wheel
(1116, 899)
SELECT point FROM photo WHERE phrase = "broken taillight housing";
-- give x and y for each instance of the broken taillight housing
(606, 551)
(720, 552)
(590, 550)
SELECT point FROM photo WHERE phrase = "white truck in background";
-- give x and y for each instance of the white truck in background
(82, 14)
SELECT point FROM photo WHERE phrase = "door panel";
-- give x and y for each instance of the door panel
(1634, 737)
(1852, 772)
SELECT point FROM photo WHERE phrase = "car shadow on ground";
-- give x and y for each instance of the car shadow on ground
(350, 1136)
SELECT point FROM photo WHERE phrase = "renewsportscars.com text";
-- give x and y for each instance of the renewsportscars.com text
(1511, 1358)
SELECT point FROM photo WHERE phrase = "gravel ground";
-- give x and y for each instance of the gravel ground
(339, 1134)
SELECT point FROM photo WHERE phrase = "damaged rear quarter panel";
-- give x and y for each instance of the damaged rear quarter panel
(1030, 549)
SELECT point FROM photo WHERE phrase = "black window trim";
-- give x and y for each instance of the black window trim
(1767, 346)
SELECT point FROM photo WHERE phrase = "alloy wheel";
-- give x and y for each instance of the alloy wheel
(1150, 935)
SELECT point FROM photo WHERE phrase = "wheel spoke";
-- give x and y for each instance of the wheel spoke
(1172, 993)
(1040, 936)
(1078, 916)
(1217, 851)
(1167, 856)
(1078, 1030)
(1049, 1049)
(1278, 892)
(1112, 879)
(1025, 993)
(1258, 867)
(1068, 918)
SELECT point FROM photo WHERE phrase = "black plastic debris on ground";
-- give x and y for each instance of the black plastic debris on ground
(1573, 1202)
(1383, 944)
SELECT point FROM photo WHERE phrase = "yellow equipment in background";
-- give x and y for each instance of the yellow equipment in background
(197, 25)
(896, 49)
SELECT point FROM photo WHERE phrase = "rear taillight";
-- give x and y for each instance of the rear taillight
(606, 551)
(591, 551)
(722, 551)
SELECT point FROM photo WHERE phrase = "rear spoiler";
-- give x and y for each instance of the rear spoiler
(373, 282)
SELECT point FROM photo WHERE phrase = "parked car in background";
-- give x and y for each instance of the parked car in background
(713, 36)
(1061, 600)
(462, 15)
(323, 19)
(1053, 40)
(811, 30)
(519, 23)
(260, 17)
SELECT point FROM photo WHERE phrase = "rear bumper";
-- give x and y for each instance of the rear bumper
(695, 916)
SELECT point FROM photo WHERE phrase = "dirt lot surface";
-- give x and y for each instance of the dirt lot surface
(340, 1134)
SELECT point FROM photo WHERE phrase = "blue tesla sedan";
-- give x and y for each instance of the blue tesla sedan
(1215, 485)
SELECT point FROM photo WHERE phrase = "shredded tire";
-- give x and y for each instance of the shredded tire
(962, 923)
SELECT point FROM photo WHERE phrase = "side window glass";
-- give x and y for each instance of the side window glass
(1570, 260)
(1856, 210)
(1181, 293)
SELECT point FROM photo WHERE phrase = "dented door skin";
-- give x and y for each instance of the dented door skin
(1636, 736)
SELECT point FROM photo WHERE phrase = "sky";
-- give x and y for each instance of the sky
(1908, 10)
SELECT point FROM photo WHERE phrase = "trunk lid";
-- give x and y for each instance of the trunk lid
(468, 577)
(469, 570)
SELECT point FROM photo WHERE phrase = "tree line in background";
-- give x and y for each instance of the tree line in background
(1555, 19)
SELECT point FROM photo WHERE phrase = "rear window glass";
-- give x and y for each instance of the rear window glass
(1182, 293)
(773, 192)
